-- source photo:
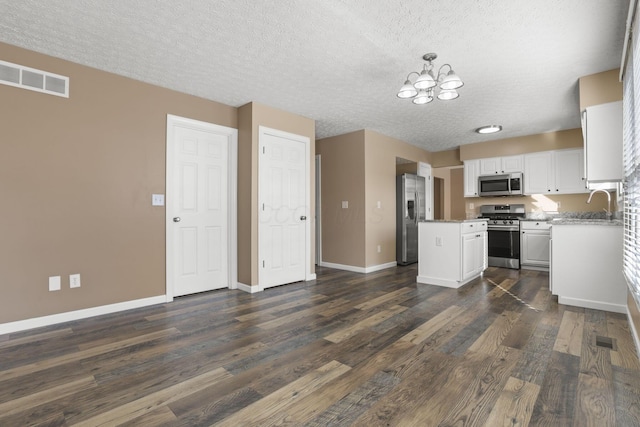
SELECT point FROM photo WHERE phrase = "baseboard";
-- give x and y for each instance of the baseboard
(634, 332)
(597, 305)
(53, 319)
(355, 269)
(250, 289)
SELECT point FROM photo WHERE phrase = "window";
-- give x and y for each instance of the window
(631, 166)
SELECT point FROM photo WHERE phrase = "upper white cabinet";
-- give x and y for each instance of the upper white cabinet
(497, 165)
(602, 132)
(471, 173)
(554, 172)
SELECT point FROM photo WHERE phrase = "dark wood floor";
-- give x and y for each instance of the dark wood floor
(347, 349)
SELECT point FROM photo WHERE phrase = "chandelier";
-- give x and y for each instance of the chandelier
(423, 89)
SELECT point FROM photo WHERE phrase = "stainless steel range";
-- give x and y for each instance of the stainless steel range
(503, 231)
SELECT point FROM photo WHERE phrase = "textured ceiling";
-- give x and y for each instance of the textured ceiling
(341, 62)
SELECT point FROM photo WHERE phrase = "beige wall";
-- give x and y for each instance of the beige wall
(250, 118)
(380, 186)
(600, 88)
(458, 209)
(360, 168)
(76, 178)
(446, 158)
(445, 175)
(343, 179)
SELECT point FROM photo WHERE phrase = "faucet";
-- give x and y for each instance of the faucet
(608, 210)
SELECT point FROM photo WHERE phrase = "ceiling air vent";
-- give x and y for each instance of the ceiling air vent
(32, 79)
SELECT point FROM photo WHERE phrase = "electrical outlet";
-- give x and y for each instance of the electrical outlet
(379, 249)
(74, 280)
(157, 200)
(345, 204)
(54, 283)
(438, 241)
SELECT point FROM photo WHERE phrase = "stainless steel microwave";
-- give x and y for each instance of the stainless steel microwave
(508, 184)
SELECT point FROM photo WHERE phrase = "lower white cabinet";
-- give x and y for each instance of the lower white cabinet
(451, 253)
(534, 245)
(586, 266)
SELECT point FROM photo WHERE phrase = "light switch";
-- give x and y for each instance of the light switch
(345, 204)
(157, 200)
(379, 205)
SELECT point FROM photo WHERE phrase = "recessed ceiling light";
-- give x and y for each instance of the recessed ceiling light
(489, 129)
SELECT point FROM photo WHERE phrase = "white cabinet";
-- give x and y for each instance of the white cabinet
(474, 250)
(554, 172)
(586, 266)
(569, 171)
(471, 173)
(497, 165)
(451, 253)
(534, 245)
(602, 132)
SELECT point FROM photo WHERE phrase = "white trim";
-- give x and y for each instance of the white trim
(634, 331)
(577, 302)
(628, 37)
(318, 222)
(232, 202)
(312, 276)
(248, 288)
(38, 322)
(263, 130)
(355, 269)
(447, 283)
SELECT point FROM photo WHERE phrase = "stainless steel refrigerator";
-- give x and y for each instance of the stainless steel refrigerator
(410, 209)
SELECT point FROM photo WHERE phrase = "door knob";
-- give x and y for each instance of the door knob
(176, 219)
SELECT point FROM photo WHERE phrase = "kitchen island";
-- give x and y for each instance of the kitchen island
(451, 253)
(586, 264)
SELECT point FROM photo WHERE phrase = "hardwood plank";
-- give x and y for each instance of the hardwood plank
(281, 307)
(625, 354)
(349, 331)
(346, 410)
(492, 338)
(260, 412)
(569, 338)
(595, 360)
(160, 416)
(428, 328)
(626, 395)
(474, 405)
(35, 399)
(68, 358)
(404, 398)
(594, 406)
(556, 400)
(514, 406)
(153, 401)
(321, 399)
(44, 336)
(383, 298)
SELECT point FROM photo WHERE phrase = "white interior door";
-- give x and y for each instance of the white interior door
(284, 207)
(198, 206)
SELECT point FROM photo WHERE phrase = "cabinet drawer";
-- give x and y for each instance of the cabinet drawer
(474, 226)
(534, 225)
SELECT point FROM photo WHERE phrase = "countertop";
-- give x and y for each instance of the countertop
(585, 221)
(455, 221)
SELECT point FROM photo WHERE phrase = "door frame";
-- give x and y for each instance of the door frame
(262, 131)
(232, 197)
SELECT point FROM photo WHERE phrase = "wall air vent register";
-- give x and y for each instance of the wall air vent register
(32, 79)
